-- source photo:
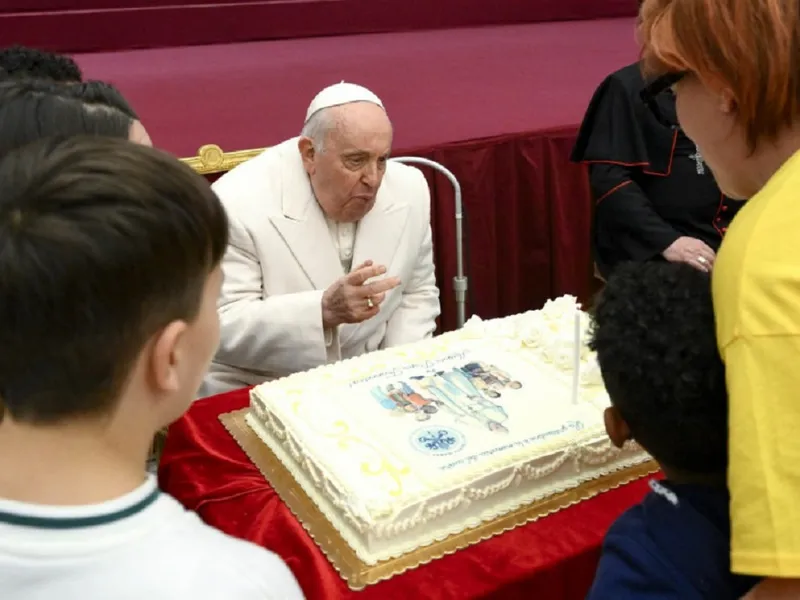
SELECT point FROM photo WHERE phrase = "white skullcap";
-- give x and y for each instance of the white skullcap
(338, 94)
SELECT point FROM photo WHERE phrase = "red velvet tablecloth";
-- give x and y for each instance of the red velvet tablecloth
(553, 558)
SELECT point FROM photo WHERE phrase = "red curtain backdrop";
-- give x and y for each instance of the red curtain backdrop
(527, 222)
(105, 25)
(553, 558)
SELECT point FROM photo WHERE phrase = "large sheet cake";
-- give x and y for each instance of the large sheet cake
(403, 447)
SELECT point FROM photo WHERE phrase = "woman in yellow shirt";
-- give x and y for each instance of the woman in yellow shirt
(734, 66)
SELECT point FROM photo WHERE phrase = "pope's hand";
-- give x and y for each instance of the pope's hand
(351, 300)
(691, 251)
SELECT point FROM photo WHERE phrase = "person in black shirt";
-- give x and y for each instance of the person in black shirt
(655, 198)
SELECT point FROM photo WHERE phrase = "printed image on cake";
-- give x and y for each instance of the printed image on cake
(467, 393)
(403, 447)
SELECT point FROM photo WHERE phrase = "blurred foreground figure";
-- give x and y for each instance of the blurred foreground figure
(656, 346)
(733, 66)
(103, 343)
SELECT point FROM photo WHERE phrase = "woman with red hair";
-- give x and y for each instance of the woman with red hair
(734, 66)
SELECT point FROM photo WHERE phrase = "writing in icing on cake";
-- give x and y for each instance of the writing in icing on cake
(428, 366)
(564, 429)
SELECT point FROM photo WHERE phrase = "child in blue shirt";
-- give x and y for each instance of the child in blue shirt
(655, 341)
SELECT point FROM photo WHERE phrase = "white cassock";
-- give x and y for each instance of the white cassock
(283, 255)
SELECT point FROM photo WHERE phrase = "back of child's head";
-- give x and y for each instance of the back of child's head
(31, 110)
(100, 94)
(655, 339)
(21, 62)
(104, 245)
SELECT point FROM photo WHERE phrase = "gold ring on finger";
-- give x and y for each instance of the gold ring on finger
(370, 303)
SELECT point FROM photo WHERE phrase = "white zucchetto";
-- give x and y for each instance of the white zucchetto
(341, 93)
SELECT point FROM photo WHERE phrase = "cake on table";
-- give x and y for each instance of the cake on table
(403, 447)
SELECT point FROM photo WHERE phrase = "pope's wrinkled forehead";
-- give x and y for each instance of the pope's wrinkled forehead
(360, 124)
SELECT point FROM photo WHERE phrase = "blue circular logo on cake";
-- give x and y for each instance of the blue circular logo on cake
(438, 441)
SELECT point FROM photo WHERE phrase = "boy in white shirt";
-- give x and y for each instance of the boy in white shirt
(109, 276)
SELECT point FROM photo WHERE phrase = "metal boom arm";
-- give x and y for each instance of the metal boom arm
(459, 281)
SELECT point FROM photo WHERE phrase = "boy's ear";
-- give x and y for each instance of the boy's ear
(616, 427)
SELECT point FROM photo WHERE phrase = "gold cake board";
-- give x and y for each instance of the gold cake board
(353, 570)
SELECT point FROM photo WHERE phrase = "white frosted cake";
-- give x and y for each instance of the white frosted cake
(403, 447)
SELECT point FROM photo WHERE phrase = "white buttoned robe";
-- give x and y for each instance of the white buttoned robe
(281, 258)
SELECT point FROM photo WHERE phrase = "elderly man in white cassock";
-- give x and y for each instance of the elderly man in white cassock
(330, 250)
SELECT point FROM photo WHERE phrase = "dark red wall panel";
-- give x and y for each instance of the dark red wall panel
(103, 25)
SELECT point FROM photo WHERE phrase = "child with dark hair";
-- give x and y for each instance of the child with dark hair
(100, 93)
(655, 341)
(103, 342)
(22, 63)
(31, 110)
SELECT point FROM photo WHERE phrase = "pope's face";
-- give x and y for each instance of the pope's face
(348, 171)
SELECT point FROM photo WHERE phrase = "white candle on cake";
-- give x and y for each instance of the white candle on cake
(576, 357)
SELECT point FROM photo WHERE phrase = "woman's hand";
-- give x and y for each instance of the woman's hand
(691, 251)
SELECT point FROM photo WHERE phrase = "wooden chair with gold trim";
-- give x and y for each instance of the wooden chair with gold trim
(211, 160)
